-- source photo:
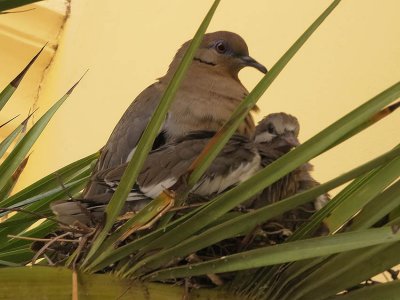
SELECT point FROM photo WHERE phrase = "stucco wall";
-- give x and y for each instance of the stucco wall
(126, 44)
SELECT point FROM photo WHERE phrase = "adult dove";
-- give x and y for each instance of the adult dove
(207, 97)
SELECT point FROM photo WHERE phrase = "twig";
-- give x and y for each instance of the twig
(47, 246)
(150, 223)
(39, 240)
(186, 292)
(51, 263)
(73, 258)
(244, 243)
(82, 242)
(74, 285)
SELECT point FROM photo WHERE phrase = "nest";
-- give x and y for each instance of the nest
(58, 247)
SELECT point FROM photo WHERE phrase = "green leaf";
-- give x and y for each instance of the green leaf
(51, 182)
(9, 90)
(282, 253)
(13, 160)
(356, 266)
(361, 191)
(377, 117)
(375, 210)
(9, 264)
(364, 194)
(247, 222)
(276, 170)
(12, 223)
(39, 207)
(6, 143)
(106, 257)
(153, 128)
(108, 253)
(38, 283)
(387, 291)
(352, 191)
(39, 231)
(7, 189)
(17, 256)
(10, 4)
(348, 261)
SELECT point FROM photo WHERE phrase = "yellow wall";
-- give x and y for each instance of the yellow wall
(21, 36)
(127, 44)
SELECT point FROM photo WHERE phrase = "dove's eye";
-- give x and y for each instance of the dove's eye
(220, 47)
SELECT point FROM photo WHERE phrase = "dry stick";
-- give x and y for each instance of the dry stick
(74, 285)
(51, 263)
(49, 243)
(150, 223)
(248, 238)
(186, 292)
(82, 242)
(40, 240)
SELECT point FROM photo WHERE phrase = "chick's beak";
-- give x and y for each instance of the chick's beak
(287, 142)
(251, 62)
(291, 139)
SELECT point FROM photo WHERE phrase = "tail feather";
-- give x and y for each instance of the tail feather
(73, 212)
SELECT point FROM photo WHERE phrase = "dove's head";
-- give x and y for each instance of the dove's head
(279, 130)
(222, 51)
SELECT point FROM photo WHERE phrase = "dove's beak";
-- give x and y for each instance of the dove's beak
(251, 62)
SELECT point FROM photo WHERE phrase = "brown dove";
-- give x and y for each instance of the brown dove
(275, 136)
(207, 97)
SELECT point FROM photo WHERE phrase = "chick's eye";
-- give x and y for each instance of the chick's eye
(271, 129)
(220, 47)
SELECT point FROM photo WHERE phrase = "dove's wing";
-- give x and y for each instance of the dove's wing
(237, 161)
(129, 129)
(126, 135)
(163, 167)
